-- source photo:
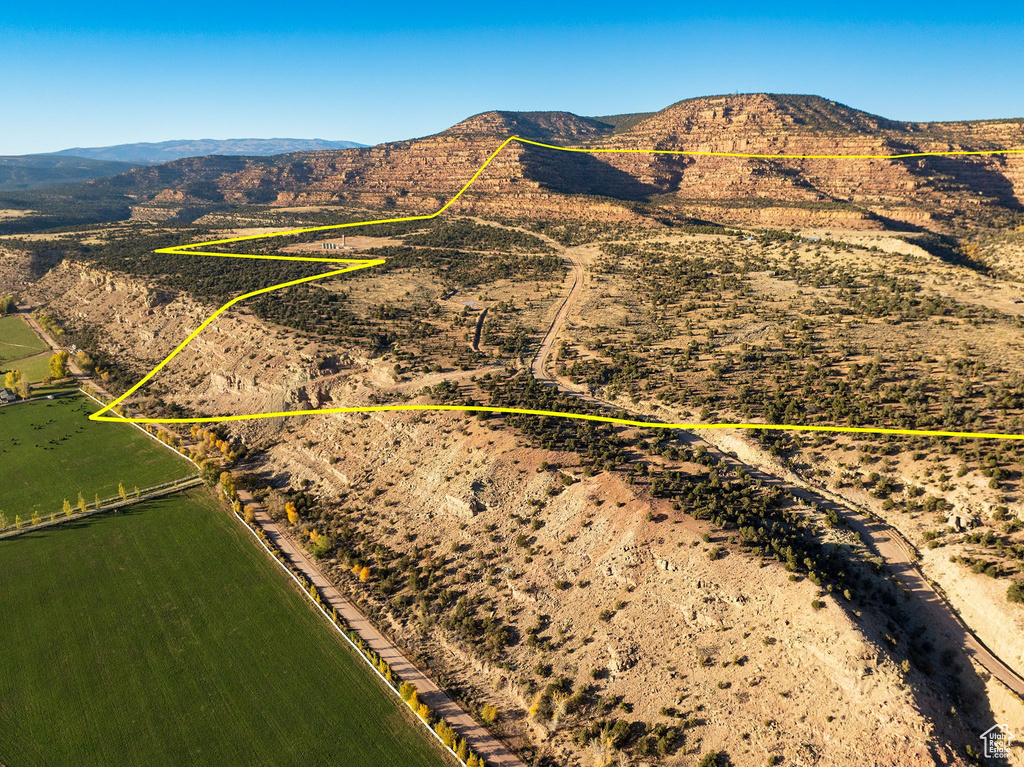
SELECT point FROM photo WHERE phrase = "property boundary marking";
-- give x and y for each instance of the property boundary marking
(355, 264)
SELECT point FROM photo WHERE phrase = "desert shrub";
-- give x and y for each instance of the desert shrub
(1015, 593)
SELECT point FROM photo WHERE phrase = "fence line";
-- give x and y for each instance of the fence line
(108, 504)
(101, 403)
(38, 397)
(335, 621)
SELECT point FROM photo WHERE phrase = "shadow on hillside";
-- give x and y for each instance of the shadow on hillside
(576, 173)
(911, 626)
(972, 175)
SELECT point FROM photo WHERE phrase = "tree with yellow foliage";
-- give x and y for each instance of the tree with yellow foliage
(489, 714)
(560, 705)
(364, 574)
(534, 709)
(319, 544)
(67, 508)
(228, 483)
(15, 381)
(81, 503)
(84, 361)
(445, 733)
(59, 365)
(292, 512)
(424, 713)
(121, 491)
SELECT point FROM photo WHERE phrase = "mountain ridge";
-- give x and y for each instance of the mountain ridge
(419, 175)
(155, 152)
(39, 171)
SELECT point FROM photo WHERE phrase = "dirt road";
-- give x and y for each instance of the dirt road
(578, 275)
(901, 562)
(900, 557)
(494, 752)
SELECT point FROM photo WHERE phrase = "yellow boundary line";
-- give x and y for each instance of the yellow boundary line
(356, 264)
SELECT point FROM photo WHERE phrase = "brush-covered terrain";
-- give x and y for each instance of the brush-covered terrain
(620, 594)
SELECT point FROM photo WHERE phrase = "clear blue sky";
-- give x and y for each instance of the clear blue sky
(87, 74)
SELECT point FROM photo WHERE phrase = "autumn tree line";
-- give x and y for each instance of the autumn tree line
(68, 509)
(406, 690)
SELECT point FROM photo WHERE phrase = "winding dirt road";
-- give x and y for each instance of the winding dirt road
(899, 555)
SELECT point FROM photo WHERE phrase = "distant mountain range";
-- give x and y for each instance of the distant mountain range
(38, 171)
(80, 164)
(148, 153)
(419, 174)
(759, 189)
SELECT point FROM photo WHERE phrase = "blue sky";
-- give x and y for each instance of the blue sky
(84, 74)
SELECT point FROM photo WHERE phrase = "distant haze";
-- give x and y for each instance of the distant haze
(146, 153)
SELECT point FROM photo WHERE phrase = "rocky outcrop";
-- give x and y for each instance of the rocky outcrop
(422, 174)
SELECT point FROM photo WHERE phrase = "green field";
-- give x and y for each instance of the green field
(50, 451)
(17, 340)
(165, 636)
(35, 369)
